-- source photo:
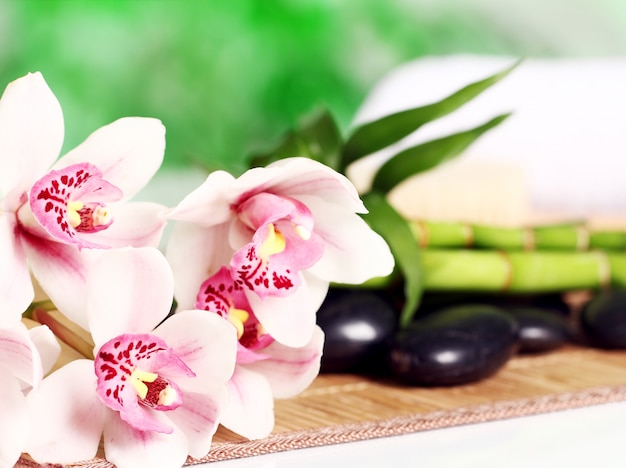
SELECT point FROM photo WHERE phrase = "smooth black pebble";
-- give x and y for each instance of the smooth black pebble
(357, 325)
(454, 346)
(540, 330)
(603, 319)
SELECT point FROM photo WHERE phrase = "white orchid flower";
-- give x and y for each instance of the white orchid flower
(52, 214)
(286, 231)
(156, 388)
(265, 369)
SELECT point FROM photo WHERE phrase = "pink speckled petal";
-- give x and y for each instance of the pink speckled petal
(114, 366)
(50, 195)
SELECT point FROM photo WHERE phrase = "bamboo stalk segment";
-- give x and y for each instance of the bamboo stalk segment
(521, 272)
(568, 237)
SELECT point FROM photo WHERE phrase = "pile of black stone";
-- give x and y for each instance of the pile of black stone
(461, 338)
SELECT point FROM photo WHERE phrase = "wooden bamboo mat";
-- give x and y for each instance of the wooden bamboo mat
(343, 408)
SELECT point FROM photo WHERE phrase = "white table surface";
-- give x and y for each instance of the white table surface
(586, 437)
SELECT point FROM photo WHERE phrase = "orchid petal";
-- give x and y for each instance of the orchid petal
(239, 234)
(198, 419)
(210, 203)
(128, 151)
(136, 224)
(293, 177)
(31, 135)
(195, 253)
(16, 289)
(354, 252)
(291, 370)
(47, 346)
(250, 412)
(19, 355)
(264, 208)
(128, 291)
(127, 447)
(14, 421)
(61, 271)
(205, 342)
(144, 419)
(291, 319)
(247, 356)
(67, 416)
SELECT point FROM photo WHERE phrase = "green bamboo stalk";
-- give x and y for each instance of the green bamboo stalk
(570, 237)
(521, 272)
(610, 240)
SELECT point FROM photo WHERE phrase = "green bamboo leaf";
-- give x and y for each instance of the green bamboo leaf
(379, 134)
(427, 155)
(317, 138)
(387, 222)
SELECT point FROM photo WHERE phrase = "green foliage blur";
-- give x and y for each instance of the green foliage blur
(226, 77)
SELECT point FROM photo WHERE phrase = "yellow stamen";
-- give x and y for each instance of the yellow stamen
(101, 216)
(138, 377)
(303, 232)
(167, 396)
(238, 317)
(260, 329)
(73, 208)
(273, 244)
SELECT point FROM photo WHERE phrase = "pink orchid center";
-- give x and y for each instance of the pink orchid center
(283, 244)
(92, 217)
(274, 243)
(73, 201)
(154, 391)
(137, 370)
(220, 294)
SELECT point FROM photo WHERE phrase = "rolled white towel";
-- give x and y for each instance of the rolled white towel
(560, 156)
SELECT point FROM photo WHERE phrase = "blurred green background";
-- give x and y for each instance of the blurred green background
(230, 76)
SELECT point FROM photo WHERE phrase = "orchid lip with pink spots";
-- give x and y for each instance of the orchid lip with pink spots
(71, 203)
(139, 369)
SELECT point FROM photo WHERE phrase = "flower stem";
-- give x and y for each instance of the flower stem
(45, 305)
(65, 330)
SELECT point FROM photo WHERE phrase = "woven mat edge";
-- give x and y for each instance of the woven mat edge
(398, 425)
